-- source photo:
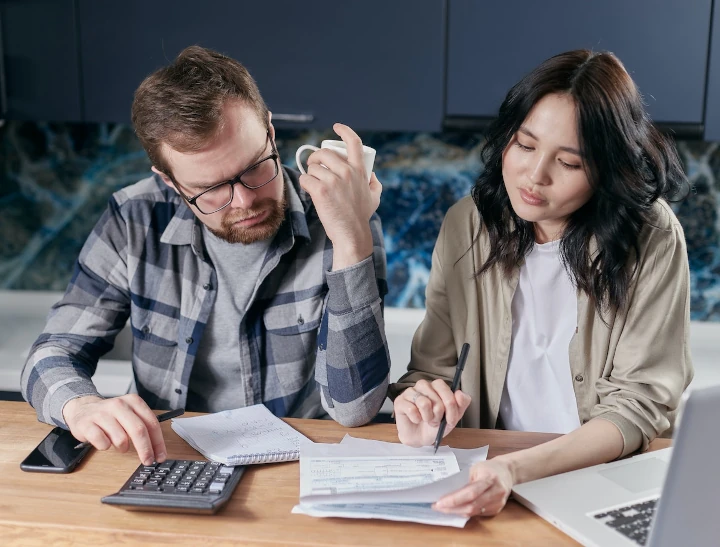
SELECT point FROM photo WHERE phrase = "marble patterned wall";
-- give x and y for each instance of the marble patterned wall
(57, 178)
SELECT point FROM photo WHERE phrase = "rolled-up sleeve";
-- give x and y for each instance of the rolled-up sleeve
(651, 365)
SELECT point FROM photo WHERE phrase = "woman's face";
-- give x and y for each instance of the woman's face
(543, 170)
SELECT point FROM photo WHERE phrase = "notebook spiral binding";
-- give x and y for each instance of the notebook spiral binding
(265, 457)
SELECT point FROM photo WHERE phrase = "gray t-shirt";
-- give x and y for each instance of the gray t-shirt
(218, 375)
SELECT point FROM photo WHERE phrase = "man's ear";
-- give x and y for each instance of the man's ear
(164, 177)
(271, 127)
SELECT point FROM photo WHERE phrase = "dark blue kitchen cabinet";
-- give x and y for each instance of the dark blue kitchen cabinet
(39, 78)
(712, 107)
(663, 44)
(373, 64)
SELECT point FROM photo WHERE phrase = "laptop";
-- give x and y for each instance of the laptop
(620, 503)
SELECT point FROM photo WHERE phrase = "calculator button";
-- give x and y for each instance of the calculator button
(197, 490)
(138, 481)
(216, 487)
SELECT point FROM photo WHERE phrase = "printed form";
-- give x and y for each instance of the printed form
(360, 478)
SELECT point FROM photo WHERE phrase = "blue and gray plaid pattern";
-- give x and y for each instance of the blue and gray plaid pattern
(311, 339)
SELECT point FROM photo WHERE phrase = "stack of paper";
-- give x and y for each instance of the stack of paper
(361, 478)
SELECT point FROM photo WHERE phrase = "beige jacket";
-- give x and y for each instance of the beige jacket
(630, 371)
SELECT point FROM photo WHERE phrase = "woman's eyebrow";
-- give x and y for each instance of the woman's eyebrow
(569, 149)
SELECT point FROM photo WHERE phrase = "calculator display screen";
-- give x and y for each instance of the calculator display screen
(55, 450)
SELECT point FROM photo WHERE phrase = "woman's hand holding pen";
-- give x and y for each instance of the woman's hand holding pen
(420, 409)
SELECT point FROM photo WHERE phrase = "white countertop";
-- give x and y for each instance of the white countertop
(23, 313)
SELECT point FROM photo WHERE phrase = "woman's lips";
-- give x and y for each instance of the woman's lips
(530, 198)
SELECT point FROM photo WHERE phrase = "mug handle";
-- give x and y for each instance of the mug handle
(300, 151)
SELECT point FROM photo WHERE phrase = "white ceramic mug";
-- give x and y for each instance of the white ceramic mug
(338, 147)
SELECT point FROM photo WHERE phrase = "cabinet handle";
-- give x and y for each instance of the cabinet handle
(294, 118)
(3, 87)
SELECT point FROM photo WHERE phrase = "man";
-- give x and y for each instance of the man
(243, 282)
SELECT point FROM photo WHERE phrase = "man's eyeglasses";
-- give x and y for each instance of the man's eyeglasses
(221, 195)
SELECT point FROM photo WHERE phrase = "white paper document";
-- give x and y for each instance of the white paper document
(360, 478)
(241, 436)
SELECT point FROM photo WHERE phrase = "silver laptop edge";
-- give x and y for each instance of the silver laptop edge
(690, 486)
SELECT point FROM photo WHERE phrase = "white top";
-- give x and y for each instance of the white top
(538, 393)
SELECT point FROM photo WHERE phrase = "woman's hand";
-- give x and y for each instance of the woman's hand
(486, 494)
(419, 410)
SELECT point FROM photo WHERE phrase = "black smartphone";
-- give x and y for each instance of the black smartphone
(56, 453)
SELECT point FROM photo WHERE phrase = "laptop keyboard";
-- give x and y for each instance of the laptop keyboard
(633, 521)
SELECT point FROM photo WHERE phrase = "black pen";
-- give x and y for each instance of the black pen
(161, 418)
(456, 382)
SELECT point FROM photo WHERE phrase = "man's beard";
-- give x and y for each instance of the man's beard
(259, 232)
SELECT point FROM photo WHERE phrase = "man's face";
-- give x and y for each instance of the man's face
(253, 215)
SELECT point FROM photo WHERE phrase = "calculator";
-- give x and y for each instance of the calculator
(182, 486)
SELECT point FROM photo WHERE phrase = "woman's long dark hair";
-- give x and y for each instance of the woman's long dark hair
(629, 165)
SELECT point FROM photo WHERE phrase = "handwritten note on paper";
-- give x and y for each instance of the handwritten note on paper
(243, 435)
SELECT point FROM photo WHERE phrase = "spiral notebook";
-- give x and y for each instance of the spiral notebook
(241, 436)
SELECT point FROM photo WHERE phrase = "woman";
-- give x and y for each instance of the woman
(567, 273)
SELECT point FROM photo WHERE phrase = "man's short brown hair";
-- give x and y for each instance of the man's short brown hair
(181, 104)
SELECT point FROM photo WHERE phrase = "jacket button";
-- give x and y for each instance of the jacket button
(146, 329)
(178, 390)
(207, 286)
(300, 320)
(579, 378)
(189, 340)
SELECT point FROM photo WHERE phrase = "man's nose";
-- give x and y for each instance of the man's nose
(243, 198)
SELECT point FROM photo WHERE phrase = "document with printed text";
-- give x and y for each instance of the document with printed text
(361, 478)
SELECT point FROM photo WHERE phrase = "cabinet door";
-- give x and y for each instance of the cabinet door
(374, 64)
(40, 61)
(662, 43)
(712, 107)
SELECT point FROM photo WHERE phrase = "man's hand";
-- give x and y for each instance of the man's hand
(419, 410)
(117, 422)
(343, 198)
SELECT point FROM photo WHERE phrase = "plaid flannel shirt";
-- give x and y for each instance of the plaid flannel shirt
(311, 338)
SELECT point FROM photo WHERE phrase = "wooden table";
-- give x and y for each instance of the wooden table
(49, 509)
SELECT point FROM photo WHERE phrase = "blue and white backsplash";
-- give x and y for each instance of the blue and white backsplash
(57, 178)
